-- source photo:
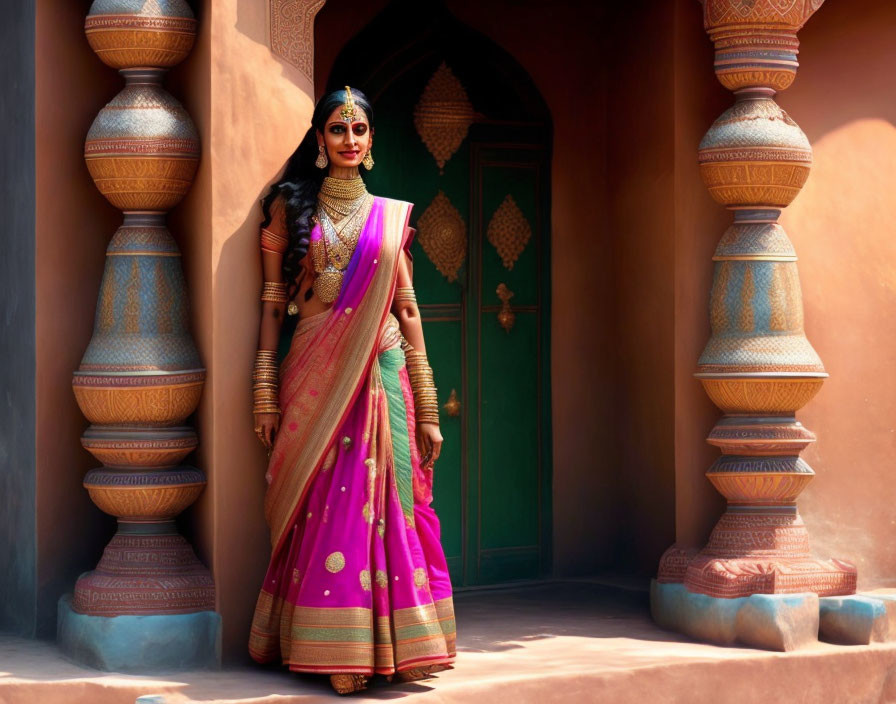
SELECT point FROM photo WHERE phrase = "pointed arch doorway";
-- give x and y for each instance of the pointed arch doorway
(482, 211)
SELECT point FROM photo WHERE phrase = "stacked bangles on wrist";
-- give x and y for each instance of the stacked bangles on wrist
(426, 401)
(266, 382)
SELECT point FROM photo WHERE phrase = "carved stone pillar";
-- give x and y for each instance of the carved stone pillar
(150, 603)
(758, 367)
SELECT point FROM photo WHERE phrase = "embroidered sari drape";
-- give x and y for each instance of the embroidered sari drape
(357, 580)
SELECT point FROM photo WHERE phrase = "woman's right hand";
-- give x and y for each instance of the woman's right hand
(266, 427)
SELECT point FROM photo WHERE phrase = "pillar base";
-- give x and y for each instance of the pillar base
(140, 644)
(769, 621)
(146, 569)
(740, 577)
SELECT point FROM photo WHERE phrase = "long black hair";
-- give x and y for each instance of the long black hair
(301, 182)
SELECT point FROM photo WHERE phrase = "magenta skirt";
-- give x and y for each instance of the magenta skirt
(361, 585)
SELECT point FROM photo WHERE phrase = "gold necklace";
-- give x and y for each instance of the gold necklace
(340, 196)
(343, 208)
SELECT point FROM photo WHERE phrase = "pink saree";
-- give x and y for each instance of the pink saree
(357, 581)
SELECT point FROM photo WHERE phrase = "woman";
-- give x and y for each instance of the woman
(357, 582)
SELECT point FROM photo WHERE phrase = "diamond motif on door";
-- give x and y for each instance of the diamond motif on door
(442, 232)
(444, 115)
(509, 231)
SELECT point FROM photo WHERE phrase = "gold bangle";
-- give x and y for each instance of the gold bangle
(266, 381)
(274, 292)
(404, 293)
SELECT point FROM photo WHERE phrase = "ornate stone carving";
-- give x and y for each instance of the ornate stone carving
(292, 32)
(509, 231)
(758, 366)
(443, 115)
(442, 232)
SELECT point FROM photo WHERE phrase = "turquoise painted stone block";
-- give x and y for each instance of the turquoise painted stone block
(770, 621)
(858, 619)
(140, 644)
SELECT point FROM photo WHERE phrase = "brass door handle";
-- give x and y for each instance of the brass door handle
(452, 405)
(506, 316)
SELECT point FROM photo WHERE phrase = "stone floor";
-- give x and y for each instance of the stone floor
(580, 641)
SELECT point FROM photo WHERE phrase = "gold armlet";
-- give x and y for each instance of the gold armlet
(274, 292)
(272, 242)
(405, 294)
(266, 382)
(426, 401)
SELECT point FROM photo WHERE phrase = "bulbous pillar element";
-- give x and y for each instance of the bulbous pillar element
(141, 377)
(758, 366)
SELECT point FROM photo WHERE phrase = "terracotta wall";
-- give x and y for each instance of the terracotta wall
(251, 109)
(640, 193)
(842, 229)
(73, 226)
(698, 98)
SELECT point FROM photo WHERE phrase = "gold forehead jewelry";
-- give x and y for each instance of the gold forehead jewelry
(348, 110)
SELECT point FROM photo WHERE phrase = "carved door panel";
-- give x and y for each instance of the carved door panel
(492, 482)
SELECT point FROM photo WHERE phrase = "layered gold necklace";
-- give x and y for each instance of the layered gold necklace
(343, 207)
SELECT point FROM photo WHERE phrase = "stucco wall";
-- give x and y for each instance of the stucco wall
(74, 223)
(18, 545)
(843, 230)
(254, 113)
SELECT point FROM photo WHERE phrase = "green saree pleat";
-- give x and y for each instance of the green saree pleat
(391, 361)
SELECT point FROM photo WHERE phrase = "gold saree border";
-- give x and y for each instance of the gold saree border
(351, 639)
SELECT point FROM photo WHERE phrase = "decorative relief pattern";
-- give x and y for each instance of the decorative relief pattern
(509, 231)
(292, 32)
(443, 115)
(442, 232)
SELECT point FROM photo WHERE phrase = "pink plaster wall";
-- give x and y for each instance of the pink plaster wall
(256, 111)
(842, 227)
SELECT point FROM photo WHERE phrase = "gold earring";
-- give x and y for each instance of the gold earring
(321, 161)
(368, 160)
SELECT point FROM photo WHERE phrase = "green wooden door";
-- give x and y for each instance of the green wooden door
(492, 482)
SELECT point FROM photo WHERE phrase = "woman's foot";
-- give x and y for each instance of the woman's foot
(346, 684)
(419, 673)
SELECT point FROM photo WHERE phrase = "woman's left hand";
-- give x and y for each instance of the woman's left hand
(429, 441)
